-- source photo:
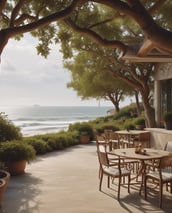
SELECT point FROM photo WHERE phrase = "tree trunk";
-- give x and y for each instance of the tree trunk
(115, 101)
(138, 107)
(149, 113)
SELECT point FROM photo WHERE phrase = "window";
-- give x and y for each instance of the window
(166, 96)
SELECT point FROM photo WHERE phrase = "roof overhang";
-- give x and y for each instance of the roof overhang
(149, 58)
(146, 52)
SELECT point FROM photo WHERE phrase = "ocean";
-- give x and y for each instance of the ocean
(34, 120)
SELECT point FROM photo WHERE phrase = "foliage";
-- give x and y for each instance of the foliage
(107, 127)
(90, 66)
(57, 141)
(8, 131)
(16, 151)
(120, 25)
(139, 121)
(113, 25)
(126, 112)
(40, 146)
(129, 126)
(82, 129)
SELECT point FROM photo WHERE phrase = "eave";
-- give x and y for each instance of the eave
(146, 52)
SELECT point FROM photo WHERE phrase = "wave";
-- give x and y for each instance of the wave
(40, 120)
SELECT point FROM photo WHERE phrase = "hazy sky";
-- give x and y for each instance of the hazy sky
(27, 79)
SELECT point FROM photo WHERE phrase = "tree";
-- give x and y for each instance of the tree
(91, 79)
(40, 18)
(137, 76)
(149, 20)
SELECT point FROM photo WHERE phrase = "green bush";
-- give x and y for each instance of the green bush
(139, 121)
(126, 112)
(16, 151)
(40, 146)
(8, 131)
(82, 129)
(129, 126)
(60, 140)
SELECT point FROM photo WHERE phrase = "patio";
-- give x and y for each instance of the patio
(67, 182)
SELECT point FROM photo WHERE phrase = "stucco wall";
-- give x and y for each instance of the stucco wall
(163, 71)
(159, 137)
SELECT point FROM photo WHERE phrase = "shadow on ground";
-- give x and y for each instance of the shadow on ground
(21, 192)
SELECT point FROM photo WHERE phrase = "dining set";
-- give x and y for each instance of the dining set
(128, 154)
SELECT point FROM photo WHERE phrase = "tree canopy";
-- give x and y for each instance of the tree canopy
(91, 79)
(126, 26)
(87, 61)
(41, 18)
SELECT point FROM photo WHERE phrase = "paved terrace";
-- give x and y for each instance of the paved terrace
(67, 182)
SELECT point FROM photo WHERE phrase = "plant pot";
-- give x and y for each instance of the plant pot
(85, 139)
(4, 175)
(2, 189)
(140, 127)
(16, 167)
(168, 125)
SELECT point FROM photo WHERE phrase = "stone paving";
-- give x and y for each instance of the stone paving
(67, 182)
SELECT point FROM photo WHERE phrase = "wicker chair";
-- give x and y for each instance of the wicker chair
(161, 174)
(103, 145)
(144, 139)
(116, 170)
(168, 147)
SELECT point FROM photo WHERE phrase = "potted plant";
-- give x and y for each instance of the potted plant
(15, 155)
(85, 132)
(168, 120)
(4, 180)
(140, 123)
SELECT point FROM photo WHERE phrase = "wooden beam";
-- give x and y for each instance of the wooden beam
(146, 48)
(151, 58)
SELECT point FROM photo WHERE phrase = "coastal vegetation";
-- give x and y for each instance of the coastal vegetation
(23, 147)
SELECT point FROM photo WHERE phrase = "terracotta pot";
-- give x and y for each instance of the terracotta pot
(16, 167)
(2, 189)
(84, 139)
(5, 176)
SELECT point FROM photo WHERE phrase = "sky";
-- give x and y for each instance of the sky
(27, 78)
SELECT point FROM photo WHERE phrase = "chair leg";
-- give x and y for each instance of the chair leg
(108, 182)
(171, 188)
(145, 188)
(100, 183)
(129, 183)
(100, 171)
(160, 194)
(119, 188)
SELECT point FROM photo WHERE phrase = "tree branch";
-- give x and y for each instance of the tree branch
(15, 12)
(156, 6)
(2, 4)
(97, 37)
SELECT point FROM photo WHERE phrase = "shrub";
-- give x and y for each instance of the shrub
(139, 121)
(16, 151)
(8, 131)
(126, 112)
(40, 146)
(129, 126)
(82, 128)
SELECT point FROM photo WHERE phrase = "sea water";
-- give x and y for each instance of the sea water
(34, 120)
